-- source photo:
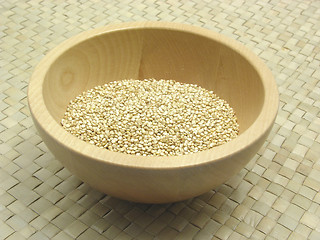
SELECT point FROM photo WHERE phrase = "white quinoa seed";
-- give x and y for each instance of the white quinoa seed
(151, 117)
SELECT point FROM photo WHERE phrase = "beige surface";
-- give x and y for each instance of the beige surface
(276, 196)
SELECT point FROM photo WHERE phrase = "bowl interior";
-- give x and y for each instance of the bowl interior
(155, 53)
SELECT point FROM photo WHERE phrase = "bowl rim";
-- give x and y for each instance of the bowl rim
(249, 137)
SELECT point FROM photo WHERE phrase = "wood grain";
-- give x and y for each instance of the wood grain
(158, 50)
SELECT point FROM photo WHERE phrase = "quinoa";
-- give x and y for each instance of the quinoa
(151, 117)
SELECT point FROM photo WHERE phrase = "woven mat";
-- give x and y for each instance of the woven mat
(276, 196)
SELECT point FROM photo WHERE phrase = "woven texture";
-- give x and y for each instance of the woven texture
(276, 196)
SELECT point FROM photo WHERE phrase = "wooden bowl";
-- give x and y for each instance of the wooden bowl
(162, 51)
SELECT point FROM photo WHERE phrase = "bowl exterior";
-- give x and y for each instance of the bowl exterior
(150, 185)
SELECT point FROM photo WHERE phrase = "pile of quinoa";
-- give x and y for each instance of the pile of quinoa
(151, 117)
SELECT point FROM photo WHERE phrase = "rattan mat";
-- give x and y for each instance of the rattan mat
(276, 196)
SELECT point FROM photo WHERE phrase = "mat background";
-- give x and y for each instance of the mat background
(276, 196)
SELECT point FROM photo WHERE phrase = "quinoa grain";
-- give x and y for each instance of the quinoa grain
(151, 117)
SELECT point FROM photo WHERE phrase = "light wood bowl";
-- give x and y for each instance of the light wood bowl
(162, 51)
